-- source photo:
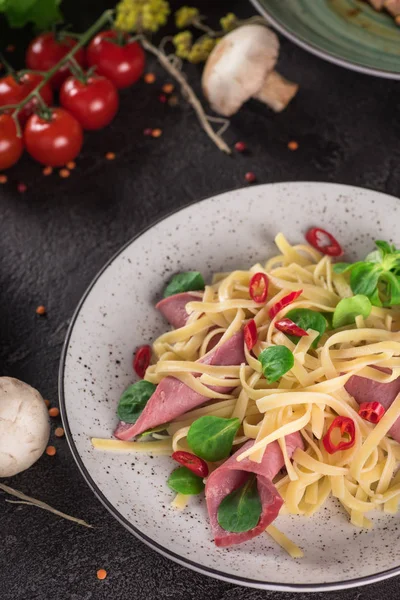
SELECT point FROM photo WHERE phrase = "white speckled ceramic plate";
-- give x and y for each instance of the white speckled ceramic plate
(117, 314)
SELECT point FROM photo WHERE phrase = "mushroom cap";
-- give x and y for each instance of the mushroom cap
(237, 67)
(24, 426)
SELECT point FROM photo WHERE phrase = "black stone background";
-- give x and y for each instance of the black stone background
(56, 236)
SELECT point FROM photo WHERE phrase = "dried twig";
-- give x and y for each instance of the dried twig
(189, 93)
(24, 499)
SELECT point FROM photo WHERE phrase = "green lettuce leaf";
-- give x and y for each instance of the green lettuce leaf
(41, 13)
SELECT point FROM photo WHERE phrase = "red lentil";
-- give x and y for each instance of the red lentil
(101, 574)
(47, 171)
(51, 451)
(293, 145)
(54, 412)
(149, 78)
(168, 88)
(156, 133)
(59, 432)
(41, 310)
(110, 155)
(3, 178)
(64, 173)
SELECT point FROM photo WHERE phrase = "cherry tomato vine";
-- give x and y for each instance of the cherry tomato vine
(89, 100)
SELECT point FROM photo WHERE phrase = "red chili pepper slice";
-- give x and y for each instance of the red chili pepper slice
(250, 334)
(285, 301)
(192, 462)
(258, 287)
(323, 241)
(289, 327)
(371, 411)
(345, 425)
(142, 360)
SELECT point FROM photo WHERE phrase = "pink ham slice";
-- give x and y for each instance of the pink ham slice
(173, 308)
(368, 390)
(173, 398)
(232, 474)
(393, 7)
(377, 4)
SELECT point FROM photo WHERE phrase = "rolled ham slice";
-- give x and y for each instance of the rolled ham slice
(173, 398)
(232, 474)
(393, 7)
(368, 390)
(173, 308)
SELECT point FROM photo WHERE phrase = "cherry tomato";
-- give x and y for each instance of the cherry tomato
(45, 51)
(94, 103)
(123, 63)
(54, 141)
(14, 89)
(11, 146)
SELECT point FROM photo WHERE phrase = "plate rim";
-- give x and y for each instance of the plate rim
(321, 53)
(164, 551)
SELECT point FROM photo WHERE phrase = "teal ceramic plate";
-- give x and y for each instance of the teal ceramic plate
(349, 33)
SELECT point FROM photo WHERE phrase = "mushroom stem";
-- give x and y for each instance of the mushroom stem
(276, 91)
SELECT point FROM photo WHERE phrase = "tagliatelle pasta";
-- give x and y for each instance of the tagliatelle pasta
(308, 397)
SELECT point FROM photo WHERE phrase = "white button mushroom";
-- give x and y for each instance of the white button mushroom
(241, 67)
(24, 426)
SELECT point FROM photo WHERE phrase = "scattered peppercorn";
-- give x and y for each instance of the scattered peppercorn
(47, 403)
(147, 131)
(250, 177)
(22, 187)
(50, 451)
(293, 145)
(156, 133)
(64, 173)
(54, 412)
(110, 155)
(240, 146)
(149, 78)
(41, 310)
(71, 165)
(59, 432)
(162, 98)
(3, 178)
(173, 100)
(168, 88)
(101, 574)
(47, 171)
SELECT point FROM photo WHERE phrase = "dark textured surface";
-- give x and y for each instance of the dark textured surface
(56, 236)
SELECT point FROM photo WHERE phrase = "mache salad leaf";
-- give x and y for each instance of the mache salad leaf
(377, 277)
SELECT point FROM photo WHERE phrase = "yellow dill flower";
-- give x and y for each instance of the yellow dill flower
(185, 16)
(141, 15)
(183, 43)
(201, 50)
(229, 22)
